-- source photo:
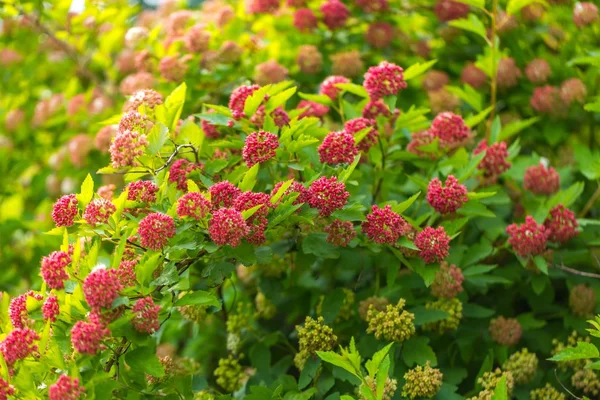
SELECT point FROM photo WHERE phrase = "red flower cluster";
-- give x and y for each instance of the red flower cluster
(385, 79)
(371, 6)
(280, 117)
(126, 273)
(473, 76)
(237, 100)
(259, 147)
(328, 87)
(18, 345)
(562, 224)
(101, 287)
(6, 389)
(227, 226)
(155, 230)
(142, 191)
(384, 225)
(327, 195)
(448, 281)
(541, 180)
(380, 35)
(257, 222)
(448, 10)
(375, 108)
(50, 308)
(53, 269)
(448, 199)
(312, 109)
(66, 388)
(146, 315)
(356, 125)
(87, 337)
(193, 205)
(263, 6)
(65, 210)
(450, 129)
(340, 233)
(179, 172)
(223, 194)
(211, 131)
(305, 20)
(433, 244)
(295, 187)
(571, 90)
(505, 331)
(338, 148)
(508, 73)
(529, 238)
(584, 13)
(494, 163)
(546, 100)
(98, 211)
(335, 13)
(17, 310)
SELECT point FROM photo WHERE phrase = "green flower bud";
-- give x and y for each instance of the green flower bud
(393, 324)
(582, 301)
(548, 392)
(422, 382)
(378, 303)
(233, 342)
(229, 374)
(312, 337)
(204, 395)
(587, 381)
(490, 380)
(523, 366)
(241, 319)
(264, 308)
(193, 313)
(453, 307)
(389, 388)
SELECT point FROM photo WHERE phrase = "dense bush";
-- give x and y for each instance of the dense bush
(316, 199)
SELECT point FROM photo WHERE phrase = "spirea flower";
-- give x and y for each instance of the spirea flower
(340, 233)
(173, 67)
(435, 80)
(585, 13)
(508, 73)
(546, 100)
(448, 10)
(335, 13)
(374, 109)
(259, 147)
(389, 387)
(473, 76)
(155, 230)
(338, 148)
(87, 337)
(586, 381)
(529, 238)
(385, 79)
(538, 71)
(446, 199)
(562, 224)
(223, 194)
(309, 59)
(229, 52)
(312, 109)
(450, 129)
(17, 310)
(372, 6)
(50, 308)
(380, 35)
(134, 82)
(126, 273)
(126, 146)
(6, 389)
(305, 20)
(383, 225)
(53, 269)
(572, 90)
(451, 306)
(98, 211)
(146, 315)
(448, 281)
(433, 244)
(179, 172)
(378, 303)
(489, 380)
(148, 97)
(356, 125)
(505, 331)
(347, 63)
(237, 100)
(582, 301)
(229, 374)
(196, 39)
(548, 392)
(280, 117)
(257, 222)
(210, 130)
(541, 180)
(329, 88)
(422, 382)
(295, 187)
(312, 337)
(66, 388)
(227, 226)
(263, 6)
(65, 210)
(101, 287)
(18, 345)
(104, 138)
(133, 121)
(522, 365)
(393, 324)
(327, 195)
(193, 205)
(269, 72)
(495, 162)
(142, 192)
(106, 191)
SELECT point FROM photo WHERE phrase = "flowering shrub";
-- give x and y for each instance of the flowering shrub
(247, 200)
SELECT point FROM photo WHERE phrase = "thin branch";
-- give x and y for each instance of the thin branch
(588, 206)
(563, 386)
(494, 79)
(576, 272)
(175, 153)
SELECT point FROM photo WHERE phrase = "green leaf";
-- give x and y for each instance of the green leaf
(345, 174)
(471, 24)
(144, 359)
(468, 95)
(87, 191)
(592, 107)
(475, 209)
(479, 195)
(478, 270)
(401, 207)
(280, 192)
(515, 127)
(501, 392)
(174, 105)
(475, 3)
(474, 120)
(541, 264)
(354, 89)
(308, 372)
(199, 298)
(249, 178)
(337, 360)
(317, 98)
(254, 100)
(417, 69)
(157, 138)
(250, 212)
(582, 351)
(192, 134)
(416, 350)
(471, 310)
(317, 244)
(373, 364)
(279, 99)
(424, 315)
(382, 376)
(514, 6)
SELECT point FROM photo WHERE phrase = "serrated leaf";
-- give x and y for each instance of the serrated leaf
(174, 105)
(582, 351)
(317, 98)
(417, 351)
(405, 205)
(337, 360)
(199, 298)
(144, 359)
(474, 120)
(279, 99)
(471, 24)
(249, 178)
(250, 212)
(418, 69)
(281, 191)
(345, 174)
(373, 364)
(157, 138)
(254, 101)
(515, 127)
(87, 191)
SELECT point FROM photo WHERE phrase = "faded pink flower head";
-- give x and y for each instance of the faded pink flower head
(529, 238)
(98, 211)
(448, 281)
(538, 71)
(446, 199)
(145, 315)
(385, 79)
(338, 148)
(448, 10)
(327, 195)
(309, 59)
(547, 100)
(66, 388)
(193, 205)
(585, 13)
(375, 108)
(433, 244)
(126, 273)
(142, 191)
(572, 90)
(101, 287)
(259, 147)
(270, 72)
(495, 162)
(473, 76)
(138, 81)
(380, 35)
(508, 73)
(18, 345)
(126, 147)
(104, 138)
(197, 39)
(541, 180)
(155, 230)
(328, 87)
(450, 129)
(173, 68)
(262, 6)
(312, 109)
(384, 226)
(87, 337)
(227, 226)
(65, 210)
(179, 172)
(562, 224)
(372, 6)
(237, 100)
(435, 80)
(305, 20)
(340, 233)
(53, 269)
(148, 97)
(335, 13)
(505, 331)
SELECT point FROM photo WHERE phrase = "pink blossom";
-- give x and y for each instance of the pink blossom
(66, 388)
(227, 226)
(223, 194)
(65, 210)
(448, 10)
(193, 205)
(340, 233)
(446, 199)
(329, 88)
(155, 230)
(312, 109)
(384, 226)
(356, 125)
(433, 244)
(179, 172)
(237, 100)
(541, 180)
(338, 148)
(529, 238)
(495, 162)
(385, 79)
(448, 281)
(305, 20)
(259, 147)
(98, 211)
(450, 129)
(101, 287)
(50, 308)
(146, 315)
(87, 337)
(18, 345)
(562, 224)
(142, 191)
(335, 13)
(53, 269)
(327, 195)
(126, 147)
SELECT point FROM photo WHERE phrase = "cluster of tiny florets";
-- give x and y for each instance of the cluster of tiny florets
(562, 224)
(142, 192)
(155, 230)
(145, 315)
(489, 381)
(538, 71)
(572, 90)
(585, 13)
(87, 337)
(17, 310)
(98, 211)
(448, 10)
(237, 100)
(372, 6)
(6, 389)
(450, 129)
(329, 88)
(310, 59)
(53, 269)
(227, 226)
(263, 6)
(340, 233)
(305, 20)
(392, 324)
(582, 301)
(378, 303)
(389, 387)
(327, 195)
(223, 194)
(101, 287)
(65, 210)
(193, 205)
(18, 345)
(383, 225)
(126, 147)
(385, 79)
(454, 309)
(529, 238)
(312, 337)
(587, 381)
(335, 13)
(179, 172)
(548, 392)
(505, 331)
(338, 148)
(508, 73)
(148, 97)
(229, 374)
(522, 365)
(356, 125)
(50, 308)
(66, 388)
(473, 76)
(541, 180)
(312, 109)
(546, 100)
(422, 382)
(433, 244)
(446, 199)
(495, 162)
(448, 281)
(374, 109)
(380, 34)
(259, 147)
(257, 222)
(126, 273)
(295, 187)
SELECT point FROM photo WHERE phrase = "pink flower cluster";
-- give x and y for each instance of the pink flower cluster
(433, 244)
(505, 331)
(173, 67)
(380, 35)
(227, 226)
(223, 194)
(473, 76)
(280, 117)
(66, 388)
(6, 389)
(562, 224)
(356, 125)
(155, 230)
(126, 273)
(450, 129)
(193, 205)
(541, 180)
(571, 90)
(87, 337)
(259, 147)
(305, 20)
(263, 6)
(98, 211)
(495, 162)
(538, 71)
(237, 100)
(179, 172)
(149, 98)
(384, 226)
(327, 195)
(335, 13)
(329, 88)
(142, 191)
(50, 308)
(338, 148)
(312, 109)
(146, 315)
(448, 281)
(546, 100)
(448, 10)
(18, 345)
(371, 6)
(295, 187)
(375, 108)
(446, 199)
(17, 310)
(385, 79)
(508, 73)
(257, 223)
(101, 287)
(584, 13)
(65, 210)
(126, 146)
(529, 238)
(340, 233)
(53, 269)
